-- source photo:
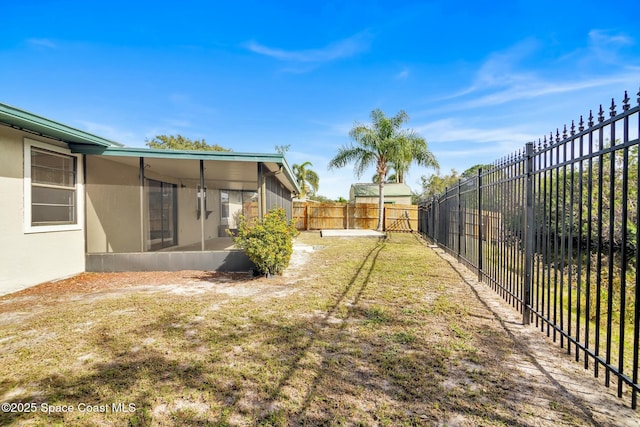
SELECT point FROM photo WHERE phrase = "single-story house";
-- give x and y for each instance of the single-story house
(394, 193)
(76, 202)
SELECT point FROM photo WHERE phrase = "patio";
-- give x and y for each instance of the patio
(153, 210)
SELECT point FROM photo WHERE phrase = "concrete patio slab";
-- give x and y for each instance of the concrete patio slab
(351, 233)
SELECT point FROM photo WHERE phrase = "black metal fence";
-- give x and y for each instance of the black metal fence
(554, 230)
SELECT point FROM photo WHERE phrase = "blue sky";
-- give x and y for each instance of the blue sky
(478, 79)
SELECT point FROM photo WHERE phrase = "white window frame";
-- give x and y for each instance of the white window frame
(28, 228)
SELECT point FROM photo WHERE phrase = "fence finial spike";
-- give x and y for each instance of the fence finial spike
(638, 95)
(625, 101)
(557, 135)
(564, 132)
(590, 123)
(601, 114)
(612, 108)
(573, 128)
(581, 124)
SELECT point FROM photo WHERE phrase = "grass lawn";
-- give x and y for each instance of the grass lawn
(366, 332)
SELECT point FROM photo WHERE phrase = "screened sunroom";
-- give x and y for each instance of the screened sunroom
(152, 209)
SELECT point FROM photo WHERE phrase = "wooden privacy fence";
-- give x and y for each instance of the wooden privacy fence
(491, 223)
(335, 216)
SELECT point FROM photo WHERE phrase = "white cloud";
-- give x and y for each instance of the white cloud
(402, 75)
(603, 38)
(451, 130)
(504, 76)
(341, 49)
(42, 43)
(536, 89)
(605, 46)
(500, 69)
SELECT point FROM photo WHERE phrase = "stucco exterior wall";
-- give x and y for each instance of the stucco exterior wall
(29, 258)
(113, 206)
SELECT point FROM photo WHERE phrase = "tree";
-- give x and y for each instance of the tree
(436, 184)
(179, 142)
(307, 179)
(320, 198)
(282, 149)
(473, 170)
(381, 144)
(376, 179)
(411, 148)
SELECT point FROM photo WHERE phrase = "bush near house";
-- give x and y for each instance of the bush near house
(267, 242)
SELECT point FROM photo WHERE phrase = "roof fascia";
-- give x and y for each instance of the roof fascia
(225, 156)
(176, 154)
(24, 120)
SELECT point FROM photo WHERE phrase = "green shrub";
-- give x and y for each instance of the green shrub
(267, 242)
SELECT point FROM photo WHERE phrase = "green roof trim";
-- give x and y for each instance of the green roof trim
(82, 142)
(160, 153)
(371, 190)
(24, 120)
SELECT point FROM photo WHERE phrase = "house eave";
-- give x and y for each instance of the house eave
(275, 159)
(23, 120)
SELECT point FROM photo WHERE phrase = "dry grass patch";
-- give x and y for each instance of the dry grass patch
(367, 332)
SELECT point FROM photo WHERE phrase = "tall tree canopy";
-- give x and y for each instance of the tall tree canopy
(307, 179)
(179, 142)
(435, 184)
(411, 148)
(383, 144)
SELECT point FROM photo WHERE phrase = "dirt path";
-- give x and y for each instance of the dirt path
(543, 364)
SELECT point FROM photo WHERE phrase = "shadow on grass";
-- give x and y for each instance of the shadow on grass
(364, 274)
(354, 362)
(102, 386)
(520, 387)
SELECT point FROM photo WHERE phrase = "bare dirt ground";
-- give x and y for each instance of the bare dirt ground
(543, 364)
(538, 373)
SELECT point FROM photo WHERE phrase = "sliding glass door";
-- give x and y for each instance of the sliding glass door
(163, 214)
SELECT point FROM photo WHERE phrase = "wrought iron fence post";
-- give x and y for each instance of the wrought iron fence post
(557, 246)
(528, 237)
(436, 220)
(479, 190)
(459, 222)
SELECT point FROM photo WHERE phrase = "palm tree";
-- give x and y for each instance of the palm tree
(411, 148)
(391, 178)
(307, 179)
(382, 144)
